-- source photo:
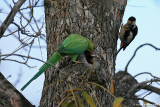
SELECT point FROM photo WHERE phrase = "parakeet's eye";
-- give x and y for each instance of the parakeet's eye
(90, 52)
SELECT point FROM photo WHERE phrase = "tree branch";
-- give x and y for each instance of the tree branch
(146, 73)
(136, 52)
(10, 96)
(152, 89)
(141, 85)
(29, 57)
(10, 17)
(150, 102)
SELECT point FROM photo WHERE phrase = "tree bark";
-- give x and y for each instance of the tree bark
(123, 83)
(100, 22)
(10, 96)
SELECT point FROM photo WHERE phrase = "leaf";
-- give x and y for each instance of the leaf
(145, 103)
(102, 87)
(54, 83)
(71, 90)
(80, 101)
(76, 105)
(118, 102)
(94, 95)
(64, 102)
(89, 99)
(112, 86)
(71, 104)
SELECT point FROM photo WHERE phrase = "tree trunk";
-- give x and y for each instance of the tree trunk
(100, 22)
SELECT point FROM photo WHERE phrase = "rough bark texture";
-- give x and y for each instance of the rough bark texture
(123, 83)
(11, 97)
(99, 22)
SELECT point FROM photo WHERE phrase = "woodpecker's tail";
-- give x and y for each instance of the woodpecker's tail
(118, 50)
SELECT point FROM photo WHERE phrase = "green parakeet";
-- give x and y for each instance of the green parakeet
(72, 46)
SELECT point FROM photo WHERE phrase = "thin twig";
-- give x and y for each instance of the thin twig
(146, 73)
(150, 102)
(10, 17)
(29, 57)
(141, 85)
(147, 94)
(136, 52)
(152, 89)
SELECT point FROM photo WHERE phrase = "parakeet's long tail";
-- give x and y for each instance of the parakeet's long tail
(53, 60)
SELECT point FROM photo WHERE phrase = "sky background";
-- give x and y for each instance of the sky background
(147, 13)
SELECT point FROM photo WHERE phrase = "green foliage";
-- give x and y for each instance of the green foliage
(80, 102)
(118, 102)
(76, 97)
(71, 104)
(89, 99)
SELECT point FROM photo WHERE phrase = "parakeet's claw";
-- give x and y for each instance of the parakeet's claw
(76, 62)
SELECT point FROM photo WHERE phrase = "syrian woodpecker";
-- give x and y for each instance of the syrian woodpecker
(128, 33)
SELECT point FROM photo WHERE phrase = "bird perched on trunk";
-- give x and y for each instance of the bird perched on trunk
(72, 46)
(128, 33)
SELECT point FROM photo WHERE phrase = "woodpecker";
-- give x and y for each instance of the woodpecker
(128, 33)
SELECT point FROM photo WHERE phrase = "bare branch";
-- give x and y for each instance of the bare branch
(150, 102)
(20, 47)
(10, 96)
(147, 94)
(152, 89)
(19, 62)
(10, 17)
(141, 85)
(31, 7)
(136, 52)
(146, 73)
(23, 56)
(29, 57)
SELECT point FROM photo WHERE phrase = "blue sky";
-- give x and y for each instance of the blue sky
(147, 13)
(147, 59)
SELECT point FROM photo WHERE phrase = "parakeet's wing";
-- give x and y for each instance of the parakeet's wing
(73, 44)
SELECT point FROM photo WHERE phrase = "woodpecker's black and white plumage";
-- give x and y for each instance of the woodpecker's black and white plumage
(128, 33)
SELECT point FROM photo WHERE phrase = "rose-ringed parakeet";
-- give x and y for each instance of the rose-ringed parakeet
(72, 46)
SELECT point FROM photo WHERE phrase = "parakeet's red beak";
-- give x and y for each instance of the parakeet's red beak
(90, 52)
